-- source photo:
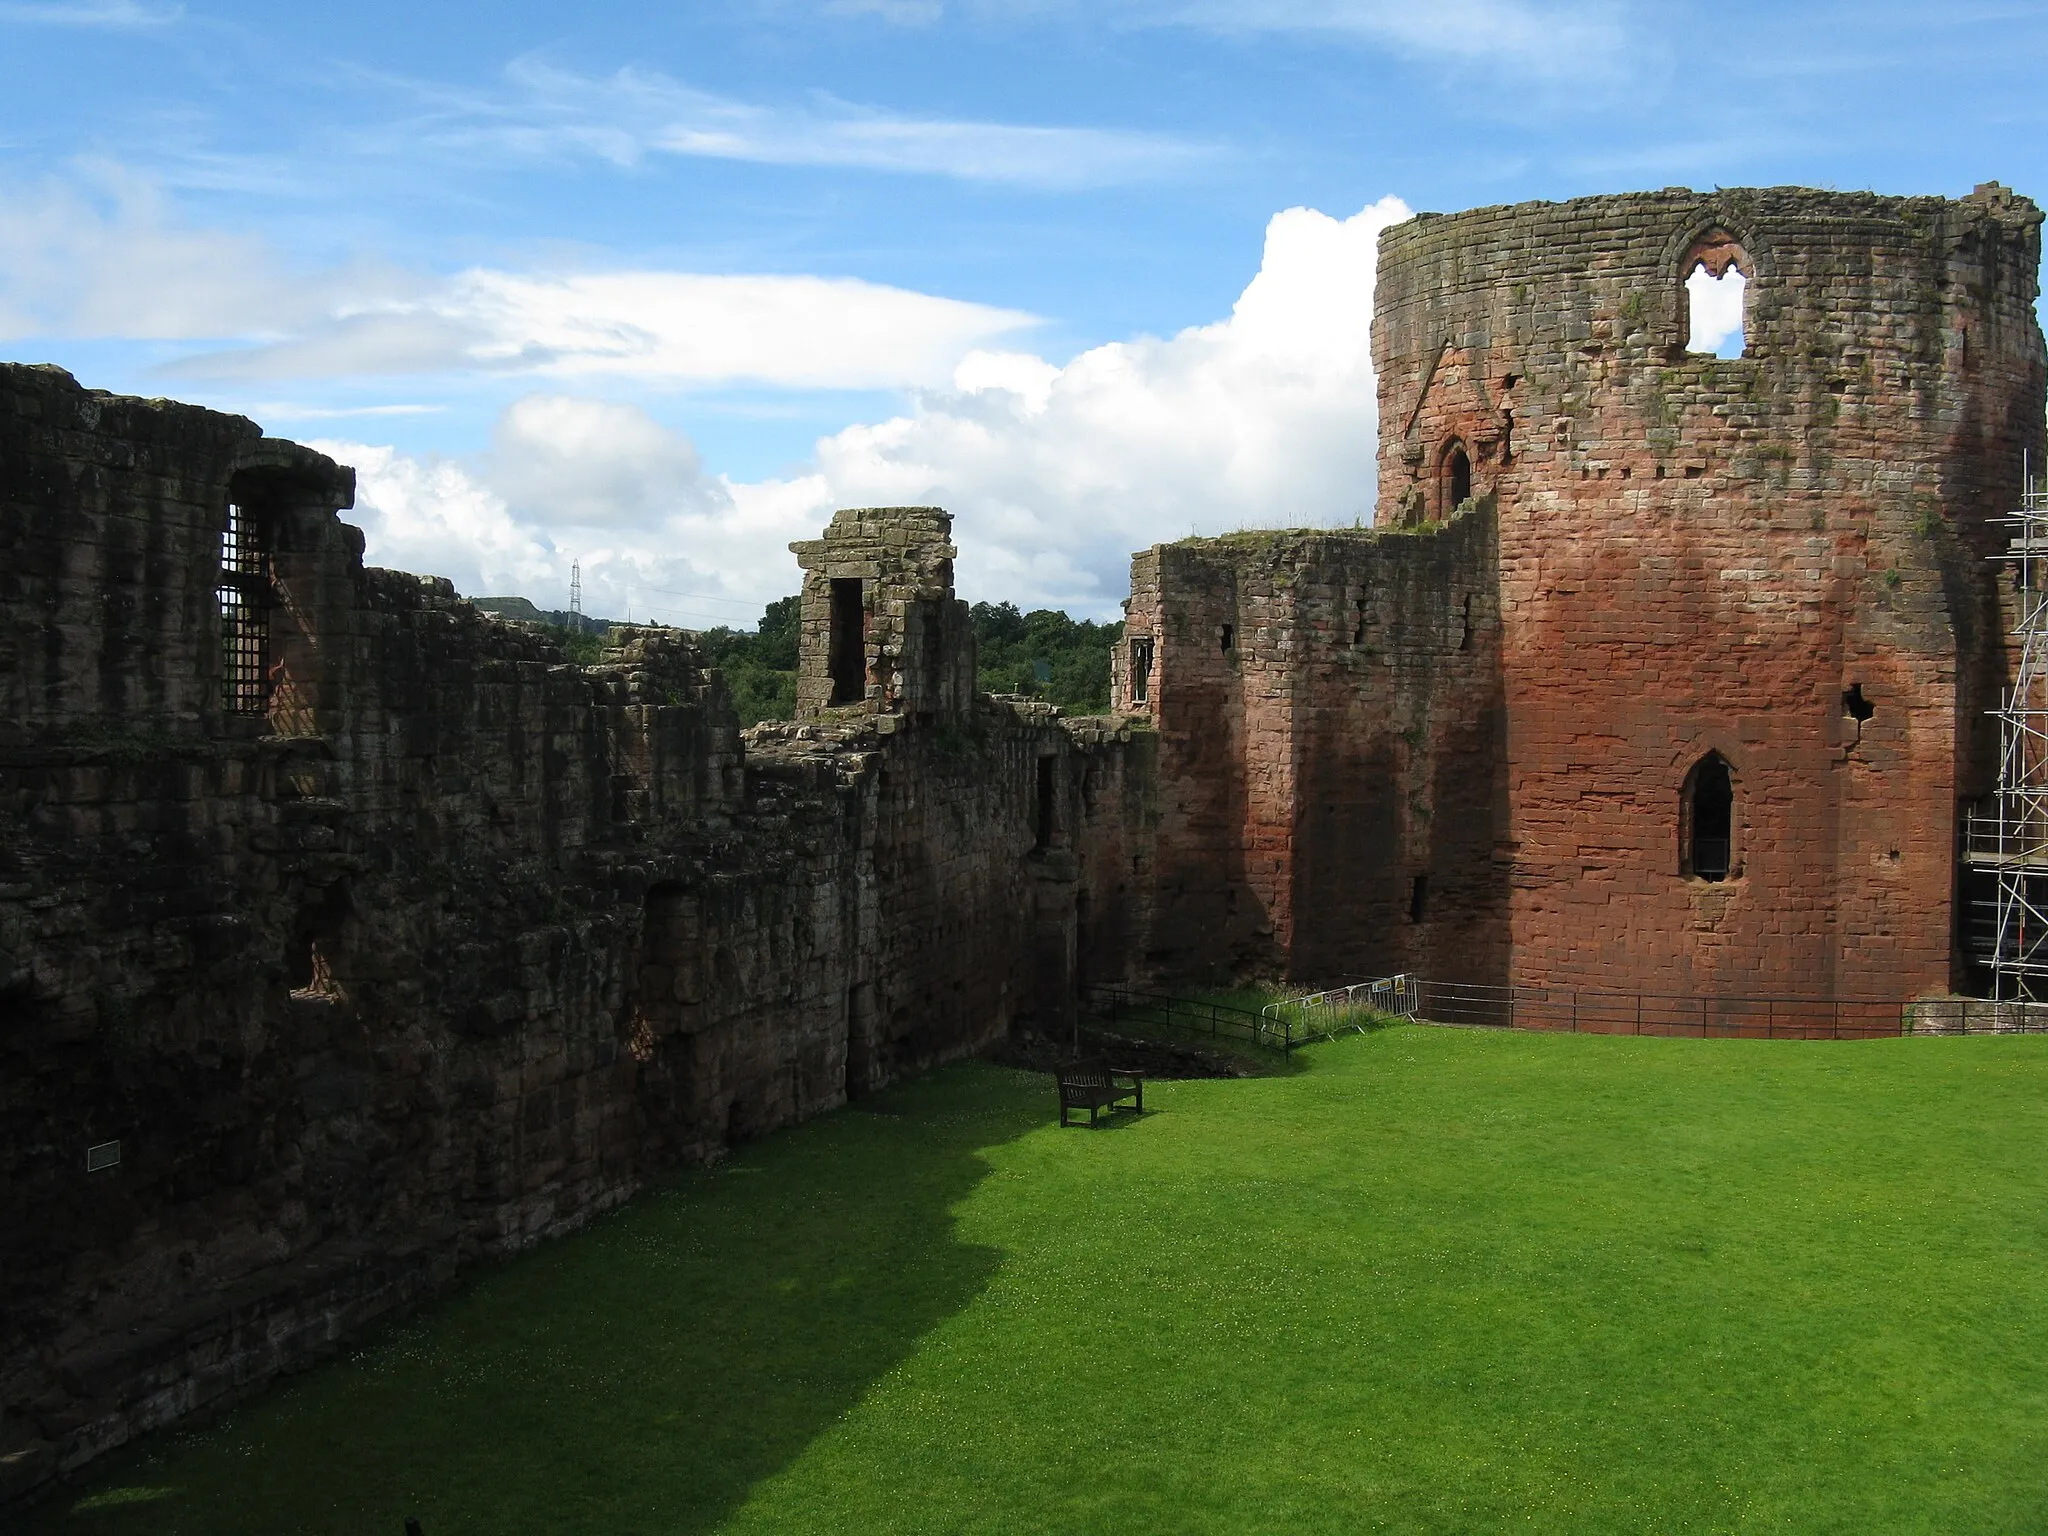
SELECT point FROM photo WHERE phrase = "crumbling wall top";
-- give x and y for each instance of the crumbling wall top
(881, 629)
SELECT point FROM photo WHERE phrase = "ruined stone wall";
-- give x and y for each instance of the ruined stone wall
(446, 945)
(1632, 556)
(1328, 717)
(1703, 554)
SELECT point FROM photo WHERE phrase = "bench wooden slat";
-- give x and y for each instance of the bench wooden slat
(1095, 1086)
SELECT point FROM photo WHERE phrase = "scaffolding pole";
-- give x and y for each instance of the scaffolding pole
(2009, 838)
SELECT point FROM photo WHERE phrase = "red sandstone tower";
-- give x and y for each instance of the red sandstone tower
(1664, 671)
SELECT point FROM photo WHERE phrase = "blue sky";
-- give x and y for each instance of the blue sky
(654, 288)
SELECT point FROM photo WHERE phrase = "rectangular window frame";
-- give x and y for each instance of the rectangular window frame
(243, 595)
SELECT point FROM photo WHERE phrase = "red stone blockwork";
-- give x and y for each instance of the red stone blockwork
(1329, 772)
(1779, 558)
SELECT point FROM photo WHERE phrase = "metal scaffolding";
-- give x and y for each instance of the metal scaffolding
(2008, 838)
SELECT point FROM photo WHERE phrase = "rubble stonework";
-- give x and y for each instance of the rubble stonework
(1328, 709)
(1778, 558)
(380, 937)
(449, 944)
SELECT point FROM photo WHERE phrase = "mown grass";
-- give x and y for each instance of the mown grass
(1438, 1281)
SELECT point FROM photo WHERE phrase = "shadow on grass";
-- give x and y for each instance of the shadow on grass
(641, 1376)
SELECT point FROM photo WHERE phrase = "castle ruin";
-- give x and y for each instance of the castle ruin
(348, 935)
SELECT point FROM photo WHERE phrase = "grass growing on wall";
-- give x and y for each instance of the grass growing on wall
(1435, 1281)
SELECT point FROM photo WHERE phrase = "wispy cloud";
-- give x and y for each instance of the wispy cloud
(114, 259)
(114, 15)
(283, 410)
(106, 254)
(1056, 472)
(902, 13)
(633, 114)
(671, 327)
(1555, 41)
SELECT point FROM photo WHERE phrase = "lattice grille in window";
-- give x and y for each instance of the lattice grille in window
(244, 617)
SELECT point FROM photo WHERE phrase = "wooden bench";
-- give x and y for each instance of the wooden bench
(1094, 1086)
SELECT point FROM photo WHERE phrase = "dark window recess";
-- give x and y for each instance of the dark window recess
(244, 616)
(1457, 478)
(859, 1041)
(315, 944)
(1228, 638)
(1047, 768)
(301, 963)
(848, 655)
(1855, 706)
(1141, 670)
(1465, 638)
(1713, 818)
(1418, 898)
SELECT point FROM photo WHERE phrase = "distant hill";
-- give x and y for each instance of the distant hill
(521, 610)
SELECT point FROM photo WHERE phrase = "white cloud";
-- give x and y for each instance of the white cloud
(631, 114)
(1715, 306)
(592, 482)
(434, 517)
(1561, 43)
(115, 15)
(108, 255)
(1055, 473)
(594, 464)
(111, 258)
(679, 327)
(1264, 419)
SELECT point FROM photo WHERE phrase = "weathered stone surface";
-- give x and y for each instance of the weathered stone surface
(1328, 712)
(447, 943)
(453, 943)
(1694, 554)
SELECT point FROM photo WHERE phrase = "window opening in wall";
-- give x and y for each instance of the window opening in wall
(1141, 670)
(1457, 478)
(1418, 898)
(315, 945)
(1716, 310)
(1711, 807)
(244, 616)
(1228, 637)
(859, 1041)
(1855, 706)
(848, 653)
(1465, 639)
(1046, 770)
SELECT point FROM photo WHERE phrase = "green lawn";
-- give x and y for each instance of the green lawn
(1439, 1280)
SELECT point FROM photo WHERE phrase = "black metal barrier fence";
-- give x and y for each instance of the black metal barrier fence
(1591, 1012)
(1577, 1010)
(1115, 1004)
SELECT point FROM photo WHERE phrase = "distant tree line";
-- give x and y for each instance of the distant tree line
(1045, 655)
(759, 665)
(1042, 654)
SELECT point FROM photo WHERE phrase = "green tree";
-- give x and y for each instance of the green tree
(1045, 654)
